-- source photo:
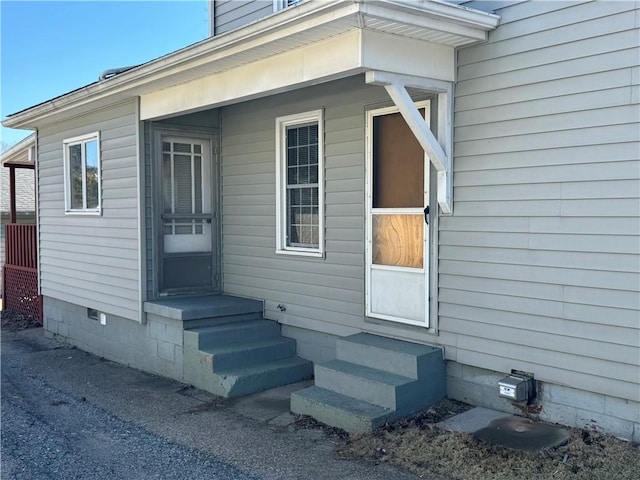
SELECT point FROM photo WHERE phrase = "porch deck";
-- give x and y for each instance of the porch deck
(202, 306)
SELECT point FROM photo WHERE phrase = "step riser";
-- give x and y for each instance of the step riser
(333, 416)
(210, 322)
(258, 382)
(397, 362)
(364, 389)
(255, 356)
(198, 372)
(266, 330)
(229, 336)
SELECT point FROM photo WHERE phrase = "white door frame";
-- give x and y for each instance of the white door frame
(400, 276)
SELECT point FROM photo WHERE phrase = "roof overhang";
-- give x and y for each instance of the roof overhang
(321, 40)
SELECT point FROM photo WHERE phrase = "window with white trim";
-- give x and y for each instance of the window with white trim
(299, 182)
(82, 190)
(282, 4)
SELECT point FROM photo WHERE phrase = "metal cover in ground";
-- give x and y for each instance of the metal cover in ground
(522, 434)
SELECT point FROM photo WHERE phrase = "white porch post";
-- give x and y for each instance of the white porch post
(438, 150)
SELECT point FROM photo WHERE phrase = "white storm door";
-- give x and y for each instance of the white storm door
(397, 264)
(186, 195)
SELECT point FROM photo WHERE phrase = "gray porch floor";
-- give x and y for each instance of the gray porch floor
(202, 306)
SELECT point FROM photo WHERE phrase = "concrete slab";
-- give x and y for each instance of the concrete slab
(268, 405)
(283, 420)
(472, 420)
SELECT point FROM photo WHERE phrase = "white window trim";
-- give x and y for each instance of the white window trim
(66, 143)
(281, 174)
(282, 4)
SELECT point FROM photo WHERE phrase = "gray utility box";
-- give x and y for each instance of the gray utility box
(517, 389)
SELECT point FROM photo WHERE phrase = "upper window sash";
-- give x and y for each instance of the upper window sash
(82, 174)
(300, 189)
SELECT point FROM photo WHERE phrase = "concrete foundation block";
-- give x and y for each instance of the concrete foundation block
(556, 394)
(166, 351)
(63, 329)
(621, 408)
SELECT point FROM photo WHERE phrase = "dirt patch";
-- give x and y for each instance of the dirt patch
(14, 322)
(419, 446)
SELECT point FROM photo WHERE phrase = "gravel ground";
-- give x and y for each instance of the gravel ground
(48, 434)
(67, 414)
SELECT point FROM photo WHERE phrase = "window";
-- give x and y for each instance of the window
(82, 174)
(299, 183)
(282, 4)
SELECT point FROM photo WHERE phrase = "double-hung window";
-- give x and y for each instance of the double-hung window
(82, 174)
(299, 182)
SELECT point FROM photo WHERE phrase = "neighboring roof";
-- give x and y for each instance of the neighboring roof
(21, 152)
(308, 22)
(25, 186)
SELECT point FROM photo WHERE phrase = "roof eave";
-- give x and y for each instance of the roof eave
(261, 32)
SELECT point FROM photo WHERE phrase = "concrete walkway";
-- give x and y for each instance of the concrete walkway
(255, 434)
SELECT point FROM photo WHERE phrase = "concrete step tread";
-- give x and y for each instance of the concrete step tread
(201, 306)
(371, 374)
(385, 343)
(263, 368)
(248, 346)
(343, 403)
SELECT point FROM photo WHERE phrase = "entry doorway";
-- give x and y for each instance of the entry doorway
(397, 191)
(188, 220)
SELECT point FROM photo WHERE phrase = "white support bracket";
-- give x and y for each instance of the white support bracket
(438, 150)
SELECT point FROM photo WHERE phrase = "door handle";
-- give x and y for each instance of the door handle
(426, 214)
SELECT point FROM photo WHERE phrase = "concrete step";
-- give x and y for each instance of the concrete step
(202, 306)
(239, 358)
(373, 380)
(230, 333)
(339, 410)
(389, 355)
(370, 385)
(244, 381)
(247, 354)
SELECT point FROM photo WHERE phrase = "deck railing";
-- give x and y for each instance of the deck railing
(20, 271)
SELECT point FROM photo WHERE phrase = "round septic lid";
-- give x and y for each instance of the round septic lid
(522, 434)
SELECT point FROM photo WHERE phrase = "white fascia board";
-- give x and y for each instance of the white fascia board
(337, 57)
(331, 59)
(395, 85)
(413, 57)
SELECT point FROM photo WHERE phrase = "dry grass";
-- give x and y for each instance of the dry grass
(419, 446)
(14, 322)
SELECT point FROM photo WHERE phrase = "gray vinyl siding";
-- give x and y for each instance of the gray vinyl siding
(324, 294)
(232, 14)
(539, 266)
(90, 260)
